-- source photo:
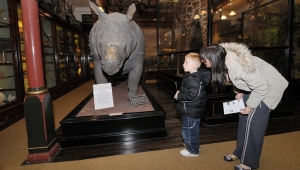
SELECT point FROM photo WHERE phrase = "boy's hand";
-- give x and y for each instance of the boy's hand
(176, 94)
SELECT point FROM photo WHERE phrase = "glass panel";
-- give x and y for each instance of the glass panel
(61, 53)
(172, 63)
(266, 25)
(150, 48)
(48, 52)
(78, 55)
(227, 28)
(165, 32)
(83, 58)
(273, 57)
(71, 64)
(295, 74)
(228, 19)
(22, 48)
(4, 15)
(7, 61)
(180, 25)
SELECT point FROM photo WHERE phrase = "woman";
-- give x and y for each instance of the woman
(255, 81)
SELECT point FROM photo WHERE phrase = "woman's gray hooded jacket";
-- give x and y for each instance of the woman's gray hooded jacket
(192, 95)
(252, 74)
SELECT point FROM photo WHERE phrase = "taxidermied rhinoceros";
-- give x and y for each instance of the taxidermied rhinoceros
(117, 46)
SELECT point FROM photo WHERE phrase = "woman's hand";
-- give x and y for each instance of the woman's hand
(246, 111)
(176, 94)
(239, 96)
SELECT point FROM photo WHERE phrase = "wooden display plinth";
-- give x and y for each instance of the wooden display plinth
(85, 126)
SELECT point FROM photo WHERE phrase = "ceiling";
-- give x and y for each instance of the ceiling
(236, 5)
(81, 3)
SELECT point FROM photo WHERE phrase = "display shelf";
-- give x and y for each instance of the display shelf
(48, 52)
(8, 89)
(71, 62)
(61, 53)
(22, 49)
(78, 54)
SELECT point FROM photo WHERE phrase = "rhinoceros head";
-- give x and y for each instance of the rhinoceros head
(112, 38)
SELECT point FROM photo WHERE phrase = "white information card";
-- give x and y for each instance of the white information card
(103, 97)
(233, 106)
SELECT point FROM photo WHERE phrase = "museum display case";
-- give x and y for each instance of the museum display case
(10, 93)
(7, 61)
(22, 48)
(13, 69)
(48, 52)
(63, 54)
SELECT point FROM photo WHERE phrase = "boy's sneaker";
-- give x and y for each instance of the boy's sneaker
(184, 146)
(186, 153)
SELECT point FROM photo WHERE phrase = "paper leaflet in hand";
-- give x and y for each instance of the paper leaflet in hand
(233, 106)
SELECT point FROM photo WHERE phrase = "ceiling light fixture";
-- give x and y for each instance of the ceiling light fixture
(223, 17)
(196, 17)
(232, 13)
(203, 12)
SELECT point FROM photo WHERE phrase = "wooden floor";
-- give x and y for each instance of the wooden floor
(208, 134)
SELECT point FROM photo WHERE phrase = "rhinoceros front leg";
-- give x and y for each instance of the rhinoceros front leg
(100, 78)
(134, 77)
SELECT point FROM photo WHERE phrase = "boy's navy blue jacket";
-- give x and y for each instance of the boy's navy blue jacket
(192, 95)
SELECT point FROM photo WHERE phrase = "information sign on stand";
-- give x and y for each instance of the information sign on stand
(103, 97)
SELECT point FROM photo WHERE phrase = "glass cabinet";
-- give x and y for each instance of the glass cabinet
(78, 55)
(11, 97)
(71, 62)
(48, 52)
(61, 54)
(22, 48)
(8, 91)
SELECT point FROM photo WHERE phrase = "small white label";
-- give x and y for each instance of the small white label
(115, 114)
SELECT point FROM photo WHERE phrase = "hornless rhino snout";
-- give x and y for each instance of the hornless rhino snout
(111, 52)
(111, 67)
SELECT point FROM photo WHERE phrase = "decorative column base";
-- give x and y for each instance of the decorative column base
(42, 140)
(43, 156)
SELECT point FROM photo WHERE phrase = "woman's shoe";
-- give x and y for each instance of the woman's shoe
(229, 158)
(238, 167)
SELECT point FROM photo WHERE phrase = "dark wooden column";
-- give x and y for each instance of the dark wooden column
(38, 109)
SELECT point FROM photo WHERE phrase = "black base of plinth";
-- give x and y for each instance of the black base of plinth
(91, 130)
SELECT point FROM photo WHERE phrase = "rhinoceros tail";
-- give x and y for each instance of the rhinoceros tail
(131, 10)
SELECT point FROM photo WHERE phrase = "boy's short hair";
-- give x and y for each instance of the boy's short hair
(195, 57)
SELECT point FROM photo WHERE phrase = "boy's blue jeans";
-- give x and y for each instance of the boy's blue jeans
(190, 133)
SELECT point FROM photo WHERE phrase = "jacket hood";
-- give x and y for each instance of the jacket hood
(240, 53)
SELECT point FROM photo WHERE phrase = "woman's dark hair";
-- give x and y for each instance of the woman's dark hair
(216, 55)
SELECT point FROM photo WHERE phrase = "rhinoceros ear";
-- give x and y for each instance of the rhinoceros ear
(131, 10)
(96, 9)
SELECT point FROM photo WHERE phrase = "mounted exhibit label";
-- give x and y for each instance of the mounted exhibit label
(103, 96)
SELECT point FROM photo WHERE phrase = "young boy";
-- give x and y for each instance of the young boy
(191, 103)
